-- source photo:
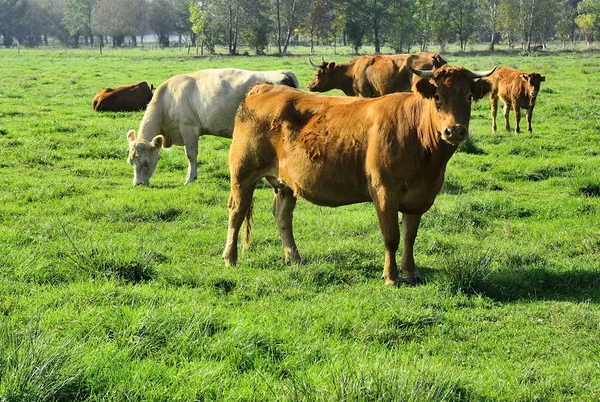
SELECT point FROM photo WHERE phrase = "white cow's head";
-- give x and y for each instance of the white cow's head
(143, 156)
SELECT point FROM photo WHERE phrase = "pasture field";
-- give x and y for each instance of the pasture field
(118, 293)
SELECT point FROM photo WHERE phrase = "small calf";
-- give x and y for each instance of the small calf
(517, 89)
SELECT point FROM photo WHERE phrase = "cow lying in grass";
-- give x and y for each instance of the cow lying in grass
(187, 106)
(126, 98)
(335, 151)
(517, 89)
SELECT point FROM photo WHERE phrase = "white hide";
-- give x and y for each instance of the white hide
(187, 106)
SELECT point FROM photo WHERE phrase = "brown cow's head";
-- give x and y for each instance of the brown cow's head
(143, 156)
(532, 83)
(451, 90)
(324, 79)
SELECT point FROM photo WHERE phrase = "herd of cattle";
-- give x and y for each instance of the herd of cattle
(382, 143)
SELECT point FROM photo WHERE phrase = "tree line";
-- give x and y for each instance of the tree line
(403, 25)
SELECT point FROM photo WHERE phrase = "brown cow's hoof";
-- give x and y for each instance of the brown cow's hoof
(391, 282)
(413, 281)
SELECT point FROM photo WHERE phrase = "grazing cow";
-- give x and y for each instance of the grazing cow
(187, 106)
(373, 76)
(126, 98)
(517, 89)
(335, 151)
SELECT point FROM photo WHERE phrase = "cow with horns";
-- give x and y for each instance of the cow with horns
(336, 151)
(372, 76)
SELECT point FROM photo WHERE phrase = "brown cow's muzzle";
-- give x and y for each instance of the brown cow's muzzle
(455, 135)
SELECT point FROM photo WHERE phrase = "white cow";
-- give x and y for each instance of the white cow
(187, 106)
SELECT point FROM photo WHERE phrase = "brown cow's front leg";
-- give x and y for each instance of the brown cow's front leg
(283, 211)
(505, 112)
(388, 222)
(410, 226)
(517, 111)
(528, 115)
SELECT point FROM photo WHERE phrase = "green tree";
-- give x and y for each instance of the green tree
(256, 26)
(587, 23)
(77, 19)
(11, 16)
(162, 20)
(118, 19)
(355, 22)
(400, 27)
(203, 25)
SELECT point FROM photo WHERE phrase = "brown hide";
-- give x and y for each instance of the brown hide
(518, 90)
(373, 76)
(125, 98)
(335, 151)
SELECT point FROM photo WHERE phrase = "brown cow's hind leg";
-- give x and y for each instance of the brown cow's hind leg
(240, 202)
(494, 107)
(283, 211)
(506, 111)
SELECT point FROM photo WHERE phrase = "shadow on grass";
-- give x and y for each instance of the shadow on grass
(524, 280)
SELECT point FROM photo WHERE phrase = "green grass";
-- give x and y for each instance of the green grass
(114, 292)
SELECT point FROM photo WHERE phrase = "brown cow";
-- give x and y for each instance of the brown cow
(126, 98)
(373, 76)
(517, 89)
(335, 151)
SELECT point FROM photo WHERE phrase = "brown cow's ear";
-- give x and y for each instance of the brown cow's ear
(480, 88)
(131, 135)
(542, 78)
(331, 65)
(158, 141)
(426, 88)
(525, 77)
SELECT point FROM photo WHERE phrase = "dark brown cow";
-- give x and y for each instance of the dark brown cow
(335, 151)
(373, 76)
(126, 98)
(517, 89)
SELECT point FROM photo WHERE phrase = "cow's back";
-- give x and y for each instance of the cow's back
(506, 84)
(208, 99)
(389, 74)
(307, 138)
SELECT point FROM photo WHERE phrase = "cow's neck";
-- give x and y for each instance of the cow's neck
(346, 79)
(150, 126)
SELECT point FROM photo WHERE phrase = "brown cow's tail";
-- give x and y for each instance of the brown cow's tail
(248, 225)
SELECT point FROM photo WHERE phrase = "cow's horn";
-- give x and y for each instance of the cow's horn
(313, 64)
(481, 74)
(422, 73)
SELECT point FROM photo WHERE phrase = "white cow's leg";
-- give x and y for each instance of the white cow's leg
(190, 136)
(240, 203)
(410, 226)
(283, 211)
(388, 222)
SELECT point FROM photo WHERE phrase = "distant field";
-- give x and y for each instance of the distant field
(114, 292)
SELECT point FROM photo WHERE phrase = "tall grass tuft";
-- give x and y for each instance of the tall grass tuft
(467, 272)
(34, 367)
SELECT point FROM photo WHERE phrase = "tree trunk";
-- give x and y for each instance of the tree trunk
(278, 27)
